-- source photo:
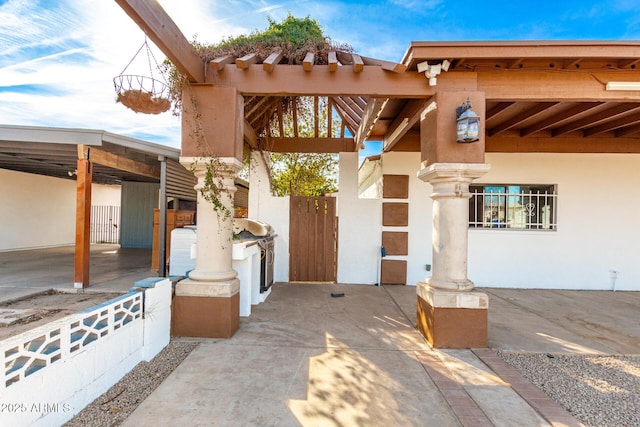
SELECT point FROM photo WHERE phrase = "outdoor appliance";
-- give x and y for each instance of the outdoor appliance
(262, 233)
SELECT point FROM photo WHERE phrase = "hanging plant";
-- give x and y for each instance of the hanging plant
(143, 94)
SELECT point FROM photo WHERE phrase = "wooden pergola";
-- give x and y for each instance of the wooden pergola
(555, 97)
(539, 96)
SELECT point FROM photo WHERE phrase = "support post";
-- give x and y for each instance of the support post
(83, 223)
(450, 313)
(162, 231)
(207, 303)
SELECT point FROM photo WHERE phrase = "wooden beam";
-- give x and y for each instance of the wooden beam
(83, 223)
(519, 118)
(218, 64)
(271, 61)
(310, 145)
(369, 118)
(627, 131)
(294, 114)
(614, 124)
(386, 65)
(628, 63)
(560, 116)
(307, 63)
(329, 117)
(592, 119)
(316, 117)
(405, 120)
(287, 80)
(504, 144)
(497, 109)
(348, 115)
(161, 29)
(250, 135)
(122, 163)
(577, 86)
(333, 61)
(280, 121)
(358, 64)
(244, 62)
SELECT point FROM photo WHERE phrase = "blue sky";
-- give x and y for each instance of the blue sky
(58, 58)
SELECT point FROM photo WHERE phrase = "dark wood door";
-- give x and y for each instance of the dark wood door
(313, 239)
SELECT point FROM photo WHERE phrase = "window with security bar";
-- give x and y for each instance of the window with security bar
(512, 206)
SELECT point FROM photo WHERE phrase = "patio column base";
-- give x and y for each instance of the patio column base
(452, 319)
(206, 309)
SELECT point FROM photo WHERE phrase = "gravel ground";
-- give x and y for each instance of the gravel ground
(597, 390)
(114, 406)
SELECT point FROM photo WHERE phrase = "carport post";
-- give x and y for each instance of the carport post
(162, 236)
(83, 221)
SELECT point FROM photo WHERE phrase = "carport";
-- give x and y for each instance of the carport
(95, 156)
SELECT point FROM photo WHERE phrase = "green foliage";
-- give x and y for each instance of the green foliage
(303, 174)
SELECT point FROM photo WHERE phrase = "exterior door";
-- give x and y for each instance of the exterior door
(313, 239)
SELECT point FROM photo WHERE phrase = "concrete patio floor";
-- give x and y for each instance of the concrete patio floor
(305, 358)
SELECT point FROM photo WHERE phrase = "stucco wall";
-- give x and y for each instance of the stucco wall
(272, 210)
(597, 230)
(359, 220)
(597, 226)
(39, 211)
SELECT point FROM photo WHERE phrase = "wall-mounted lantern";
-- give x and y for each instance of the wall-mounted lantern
(468, 123)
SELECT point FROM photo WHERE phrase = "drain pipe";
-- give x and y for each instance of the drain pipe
(613, 275)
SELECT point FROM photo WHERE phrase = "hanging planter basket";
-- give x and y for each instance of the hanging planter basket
(143, 94)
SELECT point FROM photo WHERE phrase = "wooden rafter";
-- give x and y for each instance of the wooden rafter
(627, 120)
(559, 117)
(250, 135)
(244, 62)
(519, 118)
(627, 131)
(386, 65)
(272, 60)
(497, 109)
(369, 117)
(329, 117)
(308, 61)
(591, 120)
(405, 120)
(333, 61)
(347, 114)
(294, 114)
(218, 64)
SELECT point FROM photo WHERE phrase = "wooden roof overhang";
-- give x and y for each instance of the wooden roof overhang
(540, 96)
(548, 96)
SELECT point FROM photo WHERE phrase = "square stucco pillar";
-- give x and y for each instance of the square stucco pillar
(207, 303)
(450, 314)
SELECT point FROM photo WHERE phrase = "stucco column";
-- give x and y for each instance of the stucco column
(450, 182)
(450, 314)
(207, 303)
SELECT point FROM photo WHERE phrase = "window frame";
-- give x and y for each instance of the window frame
(508, 212)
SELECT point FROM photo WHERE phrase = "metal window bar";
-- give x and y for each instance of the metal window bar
(527, 210)
(105, 224)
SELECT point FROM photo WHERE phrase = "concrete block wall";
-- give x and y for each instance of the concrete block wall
(52, 372)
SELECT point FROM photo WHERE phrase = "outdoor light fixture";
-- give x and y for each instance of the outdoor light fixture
(468, 123)
(431, 71)
(622, 86)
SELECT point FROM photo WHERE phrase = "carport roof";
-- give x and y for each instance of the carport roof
(55, 152)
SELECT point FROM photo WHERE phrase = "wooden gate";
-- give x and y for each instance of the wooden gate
(313, 239)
